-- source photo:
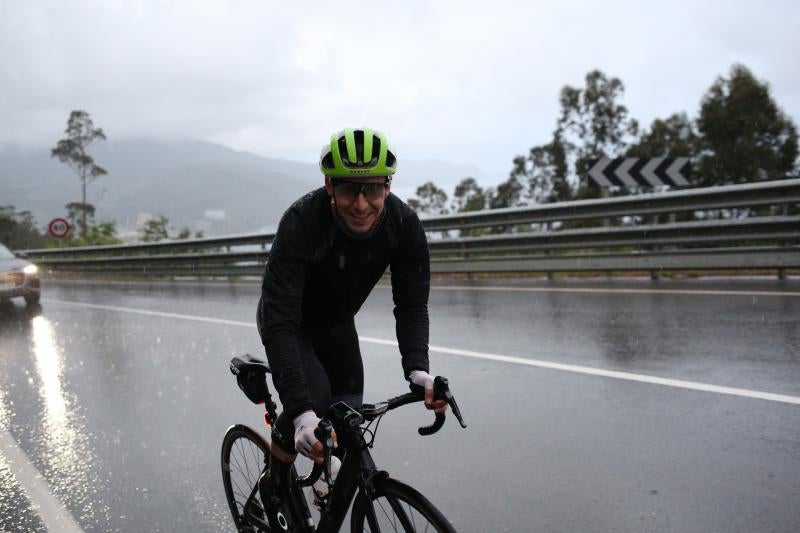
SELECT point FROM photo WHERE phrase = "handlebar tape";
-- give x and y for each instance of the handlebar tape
(433, 428)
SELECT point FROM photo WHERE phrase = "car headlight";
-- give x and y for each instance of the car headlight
(30, 269)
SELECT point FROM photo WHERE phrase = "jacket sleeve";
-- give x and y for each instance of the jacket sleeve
(280, 313)
(411, 281)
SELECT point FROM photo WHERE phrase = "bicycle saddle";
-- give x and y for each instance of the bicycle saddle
(251, 376)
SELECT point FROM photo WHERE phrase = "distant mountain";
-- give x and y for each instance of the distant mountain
(195, 184)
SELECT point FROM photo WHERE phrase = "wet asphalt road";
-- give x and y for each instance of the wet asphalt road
(123, 413)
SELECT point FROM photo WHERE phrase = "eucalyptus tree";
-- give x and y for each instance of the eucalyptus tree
(430, 200)
(744, 135)
(73, 150)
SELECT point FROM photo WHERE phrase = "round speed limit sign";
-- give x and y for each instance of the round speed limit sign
(58, 228)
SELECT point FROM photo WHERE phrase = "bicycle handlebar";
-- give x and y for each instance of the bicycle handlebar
(441, 391)
(353, 419)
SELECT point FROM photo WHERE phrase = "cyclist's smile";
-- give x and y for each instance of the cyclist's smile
(359, 201)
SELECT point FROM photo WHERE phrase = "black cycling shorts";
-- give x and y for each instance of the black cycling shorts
(334, 372)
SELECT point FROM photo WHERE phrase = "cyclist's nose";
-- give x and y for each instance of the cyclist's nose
(361, 200)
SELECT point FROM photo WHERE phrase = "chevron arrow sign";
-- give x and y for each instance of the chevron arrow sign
(639, 172)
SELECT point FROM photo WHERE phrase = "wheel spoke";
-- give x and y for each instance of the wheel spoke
(244, 455)
(393, 522)
(397, 507)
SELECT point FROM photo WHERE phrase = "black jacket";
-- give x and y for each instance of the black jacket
(319, 275)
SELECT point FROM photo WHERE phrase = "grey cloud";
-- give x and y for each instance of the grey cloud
(468, 82)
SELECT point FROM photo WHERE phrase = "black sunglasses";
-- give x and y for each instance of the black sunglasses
(351, 189)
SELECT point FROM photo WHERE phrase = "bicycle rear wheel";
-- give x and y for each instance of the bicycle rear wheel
(396, 507)
(244, 453)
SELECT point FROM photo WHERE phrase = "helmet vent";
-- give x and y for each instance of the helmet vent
(343, 150)
(327, 161)
(376, 150)
(359, 137)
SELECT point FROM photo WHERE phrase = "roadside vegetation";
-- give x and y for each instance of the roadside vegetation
(740, 135)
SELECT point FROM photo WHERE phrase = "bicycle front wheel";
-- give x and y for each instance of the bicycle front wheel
(244, 453)
(396, 507)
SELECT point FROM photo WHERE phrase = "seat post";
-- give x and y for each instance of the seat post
(271, 415)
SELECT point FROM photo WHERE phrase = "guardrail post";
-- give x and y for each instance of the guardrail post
(785, 212)
(606, 221)
(604, 194)
(470, 275)
(550, 274)
(654, 274)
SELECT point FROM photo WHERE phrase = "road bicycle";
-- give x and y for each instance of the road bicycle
(379, 503)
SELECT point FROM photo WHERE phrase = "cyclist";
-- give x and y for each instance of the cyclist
(331, 248)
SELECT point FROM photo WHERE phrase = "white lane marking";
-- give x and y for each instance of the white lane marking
(152, 313)
(628, 376)
(589, 290)
(53, 513)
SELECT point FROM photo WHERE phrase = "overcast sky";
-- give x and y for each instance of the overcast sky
(465, 82)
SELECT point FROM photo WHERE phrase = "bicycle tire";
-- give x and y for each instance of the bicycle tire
(243, 456)
(398, 507)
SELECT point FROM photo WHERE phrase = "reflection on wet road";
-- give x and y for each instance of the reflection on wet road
(119, 395)
(64, 439)
(39, 412)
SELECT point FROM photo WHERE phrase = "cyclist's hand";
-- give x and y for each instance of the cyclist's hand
(423, 379)
(304, 440)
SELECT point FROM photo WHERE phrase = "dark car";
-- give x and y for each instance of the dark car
(18, 278)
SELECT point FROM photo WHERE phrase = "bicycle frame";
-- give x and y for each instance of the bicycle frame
(358, 472)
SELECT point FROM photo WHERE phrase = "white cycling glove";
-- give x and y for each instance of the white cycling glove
(425, 380)
(304, 426)
(421, 378)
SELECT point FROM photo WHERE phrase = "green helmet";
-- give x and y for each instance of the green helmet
(357, 152)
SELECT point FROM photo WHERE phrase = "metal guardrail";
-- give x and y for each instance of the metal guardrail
(705, 199)
(750, 230)
(694, 245)
(146, 247)
(655, 262)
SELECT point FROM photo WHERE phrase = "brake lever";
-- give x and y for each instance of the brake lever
(324, 435)
(441, 388)
(441, 391)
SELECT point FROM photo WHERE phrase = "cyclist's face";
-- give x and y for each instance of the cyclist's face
(359, 201)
